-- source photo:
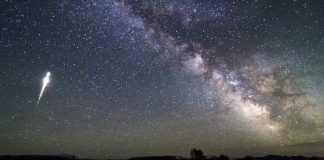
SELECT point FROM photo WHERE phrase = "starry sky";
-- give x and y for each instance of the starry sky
(159, 77)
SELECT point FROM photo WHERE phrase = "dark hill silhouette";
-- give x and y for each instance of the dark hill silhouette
(38, 157)
(156, 158)
(50, 157)
(195, 154)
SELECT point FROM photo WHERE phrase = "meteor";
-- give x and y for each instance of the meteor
(46, 80)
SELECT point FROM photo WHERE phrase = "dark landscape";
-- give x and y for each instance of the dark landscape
(195, 154)
(269, 157)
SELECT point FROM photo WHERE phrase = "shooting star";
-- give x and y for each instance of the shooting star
(46, 80)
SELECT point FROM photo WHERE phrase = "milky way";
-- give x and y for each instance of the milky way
(142, 78)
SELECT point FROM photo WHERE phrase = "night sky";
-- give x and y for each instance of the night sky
(142, 78)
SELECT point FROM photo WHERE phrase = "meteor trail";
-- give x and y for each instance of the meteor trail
(46, 80)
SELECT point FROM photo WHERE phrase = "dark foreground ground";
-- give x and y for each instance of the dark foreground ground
(222, 157)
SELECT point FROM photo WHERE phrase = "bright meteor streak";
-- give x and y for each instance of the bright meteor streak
(46, 80)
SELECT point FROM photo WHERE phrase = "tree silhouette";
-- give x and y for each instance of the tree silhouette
(197, 154)
(223, 157)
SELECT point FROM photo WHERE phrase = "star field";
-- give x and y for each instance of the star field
(143, 78)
